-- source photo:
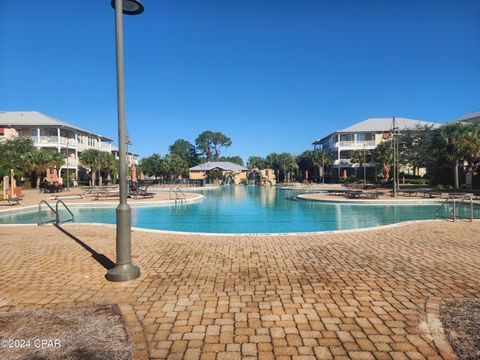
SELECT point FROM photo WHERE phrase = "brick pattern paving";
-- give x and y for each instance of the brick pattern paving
(354, 295)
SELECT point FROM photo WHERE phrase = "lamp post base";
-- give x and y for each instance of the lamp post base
(123, 272)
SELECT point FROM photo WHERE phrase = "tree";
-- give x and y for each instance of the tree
(107, 163)
(452, 142)
(152, 165)
(233, 159)
(361, 157)
(209, 144)
(91, 159)
(287, 165)
(204, 144)
(173, 166)
(186, 150)
(314, 161)
(39, 160)
(272, 162)
(256, 162)
(15, 154)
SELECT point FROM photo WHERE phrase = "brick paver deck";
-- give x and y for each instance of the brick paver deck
(358, 295)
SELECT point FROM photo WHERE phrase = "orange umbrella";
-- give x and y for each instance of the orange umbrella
(344, 176)
(386, 170)
(48, 176)
(134, 174)
(55, 175)
(142, 176)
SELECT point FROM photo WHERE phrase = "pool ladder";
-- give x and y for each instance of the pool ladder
(55, 211)
(175, 193)
(467, 199)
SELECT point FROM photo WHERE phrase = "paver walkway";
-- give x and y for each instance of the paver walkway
(358, 295)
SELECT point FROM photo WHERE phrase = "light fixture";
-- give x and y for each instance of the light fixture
(130, 7)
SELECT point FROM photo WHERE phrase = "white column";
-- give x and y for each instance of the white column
(38, 135)
(58, 139)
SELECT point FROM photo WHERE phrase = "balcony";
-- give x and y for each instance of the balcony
(54, 140)
(105, 147)
(70, 163)
(355, 144)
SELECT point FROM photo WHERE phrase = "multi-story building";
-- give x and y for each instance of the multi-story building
(365, 135)
(51, 133)
(132, 159)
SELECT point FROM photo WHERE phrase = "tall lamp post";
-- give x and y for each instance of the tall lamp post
(124, 269)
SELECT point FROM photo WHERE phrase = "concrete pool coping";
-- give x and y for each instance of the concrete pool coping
(289, 234)
(105, 204)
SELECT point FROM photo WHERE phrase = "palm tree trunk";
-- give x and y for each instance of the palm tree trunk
(93, 177)
(455, 175)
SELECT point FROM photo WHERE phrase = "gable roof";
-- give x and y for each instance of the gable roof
(386, 124)
(473, 117)
(223, 165)
(35, 118)
(381, 125)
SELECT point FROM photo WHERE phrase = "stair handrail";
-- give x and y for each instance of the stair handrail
(67, 208)
(453, 212)
(40, 222)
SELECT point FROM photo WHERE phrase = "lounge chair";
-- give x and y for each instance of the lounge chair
(137, 191)
(12, 201)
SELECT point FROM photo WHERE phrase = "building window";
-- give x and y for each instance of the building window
(360, 137)
(33, 132)
(346, 137)
(91, 141)
(52, 132)
(346, 154)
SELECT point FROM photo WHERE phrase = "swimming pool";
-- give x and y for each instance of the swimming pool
(250, 209)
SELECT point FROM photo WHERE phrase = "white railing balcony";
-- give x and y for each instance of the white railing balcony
(53, 140)
(105, 147)
(355, 144)
(71, 163)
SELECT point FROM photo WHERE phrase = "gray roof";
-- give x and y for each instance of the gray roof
(473, 117)
(35, 118)
(223, 165)
(383, 124)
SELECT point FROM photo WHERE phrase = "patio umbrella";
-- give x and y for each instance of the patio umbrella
(142, 176)
(344, 175)
(134, 174)
(386, 170)
(12, 183)
(55, 175)
(48, 176)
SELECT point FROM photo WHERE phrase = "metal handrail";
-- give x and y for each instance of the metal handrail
(177, 191)
(55, 211)
(40, 222)
(453, 212)
(67, 208)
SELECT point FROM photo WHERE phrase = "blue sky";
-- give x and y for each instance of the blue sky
(273, 75)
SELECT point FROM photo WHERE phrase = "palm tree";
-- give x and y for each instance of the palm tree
(39, 160)
(453, 142)
(287, 165)
(90, 159)
(272, 161)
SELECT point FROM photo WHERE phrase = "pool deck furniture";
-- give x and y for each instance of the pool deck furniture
(105, 194)
(68, 196)
(12, 201)
(138, 191)
(358, 194)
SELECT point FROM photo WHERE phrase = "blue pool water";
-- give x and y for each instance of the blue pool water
(251, 209)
